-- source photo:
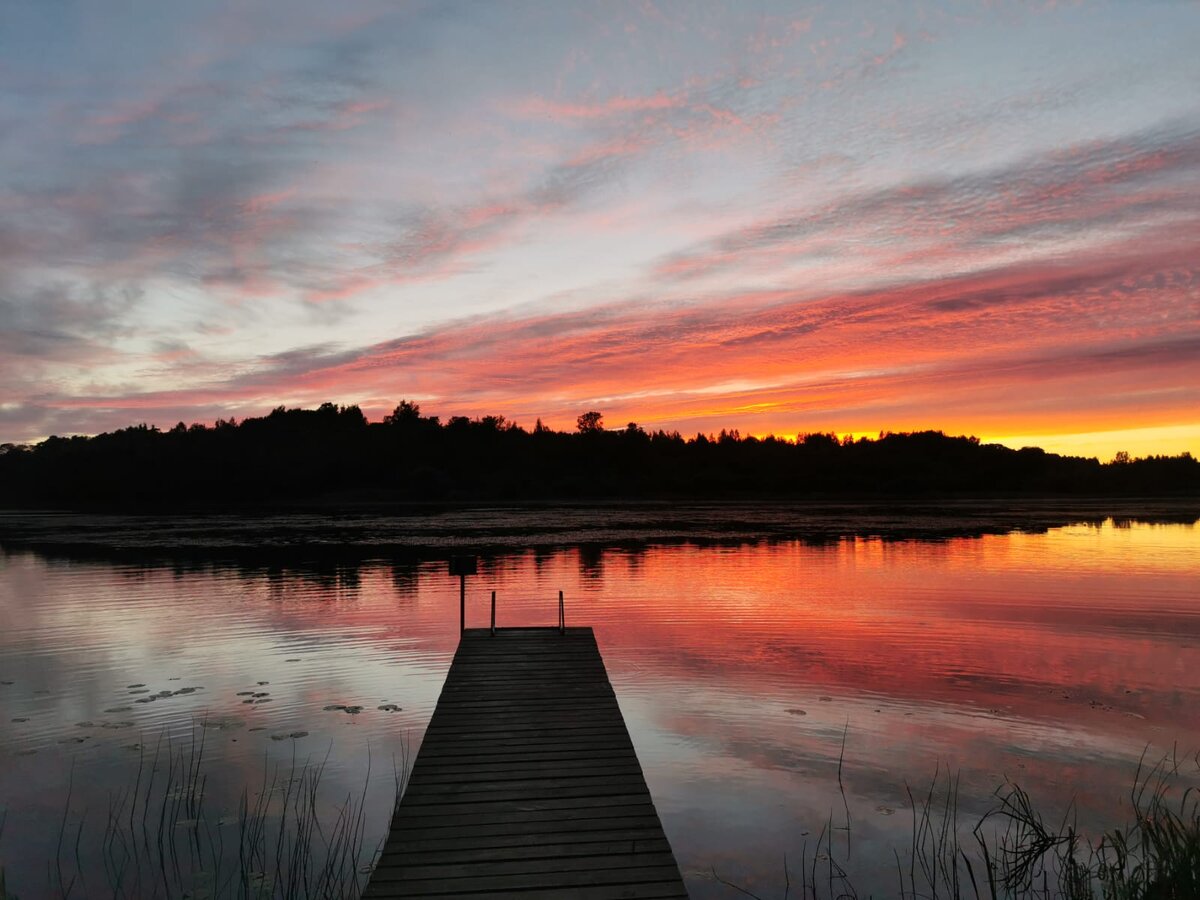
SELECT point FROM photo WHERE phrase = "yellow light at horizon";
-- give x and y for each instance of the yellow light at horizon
(1165, 440)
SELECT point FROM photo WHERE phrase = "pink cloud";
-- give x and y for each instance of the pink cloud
(617, 105)
(978, 352)
(261, 203)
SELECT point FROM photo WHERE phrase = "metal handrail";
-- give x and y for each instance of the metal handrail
(562, 615)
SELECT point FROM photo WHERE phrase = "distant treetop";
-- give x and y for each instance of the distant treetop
(332, 451)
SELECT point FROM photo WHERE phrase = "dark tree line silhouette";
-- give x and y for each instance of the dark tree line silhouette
(334, 454)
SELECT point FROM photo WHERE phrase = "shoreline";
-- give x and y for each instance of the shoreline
(359, 533)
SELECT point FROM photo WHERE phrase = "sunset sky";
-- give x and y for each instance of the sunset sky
(978, 217)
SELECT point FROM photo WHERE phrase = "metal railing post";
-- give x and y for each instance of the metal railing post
(562, 619)
(493, 613)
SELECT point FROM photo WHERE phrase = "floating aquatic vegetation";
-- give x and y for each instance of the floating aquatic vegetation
(138, 685)
(245, 693)
(390, 707)
(227, 723)
(85, 724)
(333, 706)
(354, 710)
(291, 735)
(796, 712)
(21, 719)
(119, 709)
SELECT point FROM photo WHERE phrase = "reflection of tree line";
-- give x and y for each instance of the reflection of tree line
(334, 452)
(343, 576)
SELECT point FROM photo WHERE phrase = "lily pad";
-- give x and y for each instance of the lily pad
(21, 719)
(333, 706)
(119, 709)
(138, 685)
(390, 707)
(227, 724)
(298, 734)
(796, 712)
(245, 693)
(354, 710)
(825, 699)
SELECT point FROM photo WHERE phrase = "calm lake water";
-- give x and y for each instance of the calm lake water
(742, 657)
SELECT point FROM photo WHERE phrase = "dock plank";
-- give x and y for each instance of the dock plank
(527, 783)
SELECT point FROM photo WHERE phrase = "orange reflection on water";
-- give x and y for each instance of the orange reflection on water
(1051, 658)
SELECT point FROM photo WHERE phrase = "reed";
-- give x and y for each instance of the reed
(1012, 853)
(4, 894)
(162, 837)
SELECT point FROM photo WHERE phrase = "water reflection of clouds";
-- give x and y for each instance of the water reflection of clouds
(1020, 655)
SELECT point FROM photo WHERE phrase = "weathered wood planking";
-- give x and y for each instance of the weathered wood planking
(527, 784)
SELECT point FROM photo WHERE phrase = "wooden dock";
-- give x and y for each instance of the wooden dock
(527, 784)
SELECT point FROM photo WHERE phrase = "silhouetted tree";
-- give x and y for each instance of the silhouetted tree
(405, 413)
(333, 452)
(590, 422)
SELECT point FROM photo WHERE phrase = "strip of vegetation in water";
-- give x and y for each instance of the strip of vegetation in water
(1013, 853)
(159, 838)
